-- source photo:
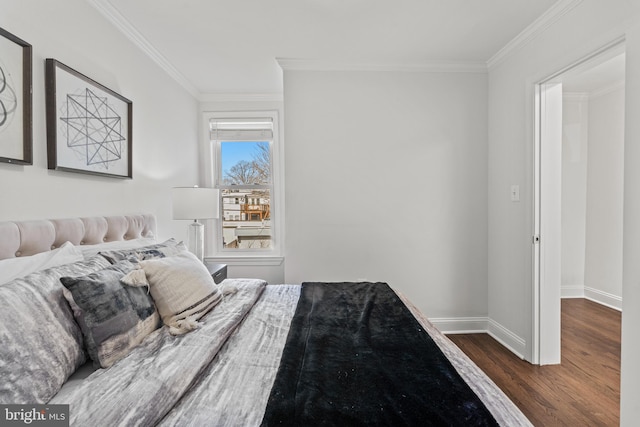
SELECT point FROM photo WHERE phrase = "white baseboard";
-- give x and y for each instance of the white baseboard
(476, 325)
(572, 291)
(507, 338)
(461, 325)
(517, 345)
(604, 298)
(595, 295)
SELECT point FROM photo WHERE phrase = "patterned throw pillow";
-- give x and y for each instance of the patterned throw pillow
(159, 250)
(114, 317)
(183, 290)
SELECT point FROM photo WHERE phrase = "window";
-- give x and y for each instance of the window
(243, 160)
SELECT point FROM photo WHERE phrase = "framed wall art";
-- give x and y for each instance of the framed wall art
(88, 125)
(16, 134)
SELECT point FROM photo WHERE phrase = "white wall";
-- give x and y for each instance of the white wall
(603, 256)
(587, 27)
(386, 181)
(165, 122)
(575, 110)
(592, 196)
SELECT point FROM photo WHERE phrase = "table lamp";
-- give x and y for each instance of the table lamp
(195, 203)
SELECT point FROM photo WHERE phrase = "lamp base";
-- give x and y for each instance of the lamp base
(195, 240)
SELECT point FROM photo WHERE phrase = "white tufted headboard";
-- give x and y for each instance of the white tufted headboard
(24, 238)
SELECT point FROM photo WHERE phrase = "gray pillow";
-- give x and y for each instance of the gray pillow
(113, 317)
(41, 342)
(158, 250)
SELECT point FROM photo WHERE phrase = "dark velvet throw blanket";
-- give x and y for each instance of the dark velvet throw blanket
(356, 356)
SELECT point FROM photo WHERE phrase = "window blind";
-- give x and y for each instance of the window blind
(253, 129)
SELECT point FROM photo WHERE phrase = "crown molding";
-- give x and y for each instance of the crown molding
(116, 18)
(607, 89)
(241, 97)
(289, 64)
(575, 96)
(554, 13)
(585, 96)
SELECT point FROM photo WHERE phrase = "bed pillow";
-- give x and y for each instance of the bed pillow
(158, 250)
(41, 342)
(113, 317)
(182, 289)
(13, 268)
(117, 245)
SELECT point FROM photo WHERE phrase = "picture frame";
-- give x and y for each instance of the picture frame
(89, 126)
(16, 128)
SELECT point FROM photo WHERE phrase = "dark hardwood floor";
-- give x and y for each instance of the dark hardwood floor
(584, 390)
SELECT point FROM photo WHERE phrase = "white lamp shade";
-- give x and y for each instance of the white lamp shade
(194, 203)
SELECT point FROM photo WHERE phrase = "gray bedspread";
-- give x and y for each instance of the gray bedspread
(235, 389)
(195, 380)
(142, 388)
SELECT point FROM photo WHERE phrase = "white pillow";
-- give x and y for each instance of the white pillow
(90, 250)
(13, 268)
(182, 288)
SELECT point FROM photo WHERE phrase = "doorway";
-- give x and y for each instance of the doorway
(573, 191)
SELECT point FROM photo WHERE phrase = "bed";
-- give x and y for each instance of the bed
(98, 315)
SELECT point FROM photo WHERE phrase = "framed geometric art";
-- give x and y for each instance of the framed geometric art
(16, 135)
(88, 125)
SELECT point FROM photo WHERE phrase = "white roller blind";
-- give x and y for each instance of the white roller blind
(253, 129)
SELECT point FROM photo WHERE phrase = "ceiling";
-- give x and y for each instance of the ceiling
(231, 46)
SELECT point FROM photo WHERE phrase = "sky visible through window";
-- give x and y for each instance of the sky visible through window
(233, 152)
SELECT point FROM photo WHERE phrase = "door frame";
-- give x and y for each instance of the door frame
(546, 209)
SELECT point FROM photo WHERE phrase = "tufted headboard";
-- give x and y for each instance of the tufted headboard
(24, 238)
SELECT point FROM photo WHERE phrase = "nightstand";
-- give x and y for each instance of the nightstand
(218, 271)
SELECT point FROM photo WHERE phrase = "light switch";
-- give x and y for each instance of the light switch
(515, 193)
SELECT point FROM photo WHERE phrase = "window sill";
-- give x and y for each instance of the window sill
(247, 260)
